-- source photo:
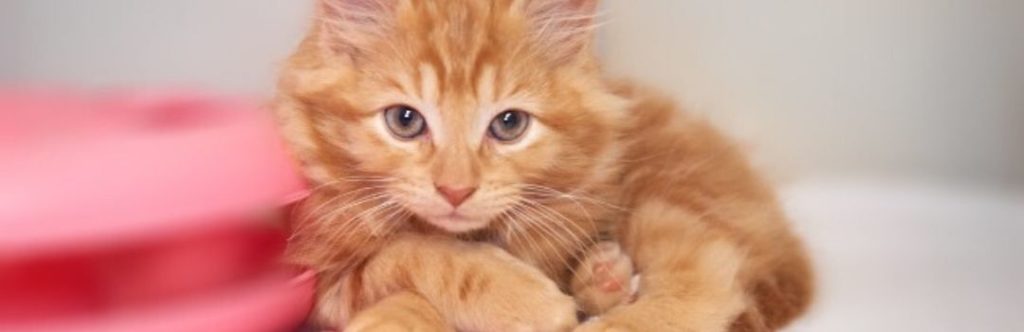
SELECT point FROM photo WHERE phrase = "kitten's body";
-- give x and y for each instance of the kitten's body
(705, 232)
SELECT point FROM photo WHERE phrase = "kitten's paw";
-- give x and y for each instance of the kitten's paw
(373, 322)
(542, 309)
(603, 279)
(399, 312)
(563, 321)
(626, 319)
(519, 297)
(661, 313)
(376, 324)
(598, 326)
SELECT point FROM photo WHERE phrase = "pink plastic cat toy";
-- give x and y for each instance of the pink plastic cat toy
(141, 211)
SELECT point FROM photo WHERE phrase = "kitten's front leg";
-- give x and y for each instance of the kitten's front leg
(474, 286)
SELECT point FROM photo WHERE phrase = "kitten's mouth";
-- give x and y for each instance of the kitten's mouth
(456, 216)
(456, 222)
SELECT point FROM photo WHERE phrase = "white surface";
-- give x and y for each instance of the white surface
(912, 257)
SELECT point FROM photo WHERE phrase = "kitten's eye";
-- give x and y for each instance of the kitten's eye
(404, 121)
(510, 125)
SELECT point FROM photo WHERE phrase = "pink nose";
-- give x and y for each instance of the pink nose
(455, 195)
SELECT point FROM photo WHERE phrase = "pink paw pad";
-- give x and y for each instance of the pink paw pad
(606, 279)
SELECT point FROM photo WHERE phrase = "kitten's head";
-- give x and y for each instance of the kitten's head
(457, 111)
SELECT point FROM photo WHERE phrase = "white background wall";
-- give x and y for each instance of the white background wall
(231, 45)
(924, 88)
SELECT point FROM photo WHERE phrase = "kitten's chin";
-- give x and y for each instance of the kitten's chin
(457, 224)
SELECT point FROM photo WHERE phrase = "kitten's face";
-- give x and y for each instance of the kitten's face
(458, 157)
(464, 109)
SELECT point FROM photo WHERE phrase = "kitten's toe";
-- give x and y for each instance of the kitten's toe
(603, 279)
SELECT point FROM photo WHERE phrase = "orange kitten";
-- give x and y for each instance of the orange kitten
(468, 155)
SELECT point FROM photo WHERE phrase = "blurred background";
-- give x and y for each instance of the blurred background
(893, 127)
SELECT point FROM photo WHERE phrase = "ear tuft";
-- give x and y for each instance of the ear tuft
(350, 26)
(563, 28)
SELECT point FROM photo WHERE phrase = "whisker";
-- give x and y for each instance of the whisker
(564, 243)
(303, 224)
(341, 209)
(526, 238)
(382, 223)
(346, 228)
(372, 211)
(341, 196)
(583, 239)
(554, 193)
(590, 219)
(354, 222)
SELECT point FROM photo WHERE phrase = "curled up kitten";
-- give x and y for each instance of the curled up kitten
(469, 155)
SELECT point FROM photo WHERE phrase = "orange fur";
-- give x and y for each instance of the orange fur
(600, 158)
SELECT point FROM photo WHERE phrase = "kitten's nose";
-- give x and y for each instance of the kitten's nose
(455, 195)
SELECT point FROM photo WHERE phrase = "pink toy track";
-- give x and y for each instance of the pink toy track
(137, 211)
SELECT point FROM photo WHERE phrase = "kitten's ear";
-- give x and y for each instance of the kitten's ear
(351, 26)
(562, 28)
